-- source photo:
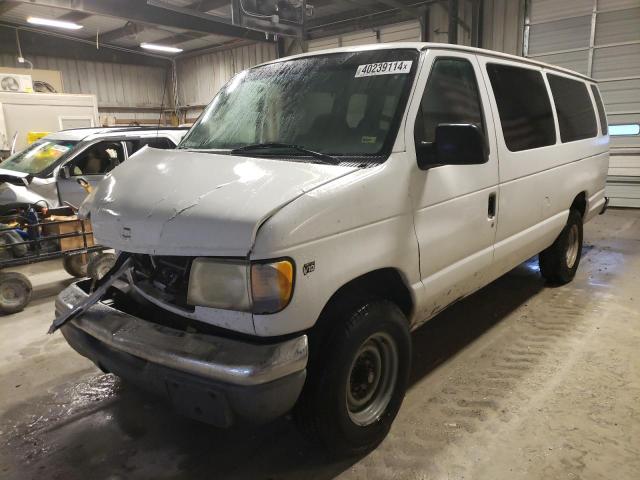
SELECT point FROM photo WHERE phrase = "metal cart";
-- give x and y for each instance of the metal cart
(26, 238)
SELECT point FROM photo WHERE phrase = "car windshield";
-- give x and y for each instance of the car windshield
(341, 104)
(38, 156)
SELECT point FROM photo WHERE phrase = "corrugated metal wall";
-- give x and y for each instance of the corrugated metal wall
(200, 77)
(399, 32)
(503, 26)
(116, 85)
(600, 38)
(126, 93)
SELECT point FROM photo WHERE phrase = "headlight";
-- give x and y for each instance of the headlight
(260, 287)
(219, 284)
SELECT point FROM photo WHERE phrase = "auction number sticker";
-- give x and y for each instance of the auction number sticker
(384, 68)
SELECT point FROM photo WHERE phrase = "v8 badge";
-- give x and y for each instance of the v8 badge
(308, 267)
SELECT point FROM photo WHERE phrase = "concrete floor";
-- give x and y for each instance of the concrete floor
(519, 381)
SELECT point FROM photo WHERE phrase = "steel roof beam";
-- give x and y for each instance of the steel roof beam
(141, 11)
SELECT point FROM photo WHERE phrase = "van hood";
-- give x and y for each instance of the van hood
(172, 202)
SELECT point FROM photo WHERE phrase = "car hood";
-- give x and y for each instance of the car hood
(15, 177)
(172, 202)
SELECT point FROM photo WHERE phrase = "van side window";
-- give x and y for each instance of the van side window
(601, 113)
(523, 105)
(576, 117)
(451, 96)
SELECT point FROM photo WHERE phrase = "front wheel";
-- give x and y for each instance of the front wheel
(356, 384)
(559, 262)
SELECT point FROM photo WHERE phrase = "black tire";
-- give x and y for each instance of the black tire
(100, 264)
(76, 265)
(559, 262)
(15, 292)
(339, 375)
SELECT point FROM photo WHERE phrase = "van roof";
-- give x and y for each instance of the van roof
(439, 46)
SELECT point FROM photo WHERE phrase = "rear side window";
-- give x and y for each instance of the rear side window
(576, 117)
(523, 106)
(451, 96)
(154, 142)
(601, 112)
(157, 142)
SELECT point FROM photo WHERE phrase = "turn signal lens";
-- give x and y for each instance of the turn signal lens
(271, 286)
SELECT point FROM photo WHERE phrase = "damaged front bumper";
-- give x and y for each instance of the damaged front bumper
(210, 378)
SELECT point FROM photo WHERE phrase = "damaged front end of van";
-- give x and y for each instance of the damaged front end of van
(175, 315)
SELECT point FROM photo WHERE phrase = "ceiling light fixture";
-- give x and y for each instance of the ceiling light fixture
(161, 48)
(54, 23)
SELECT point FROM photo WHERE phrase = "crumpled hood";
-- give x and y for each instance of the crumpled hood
(173, 202)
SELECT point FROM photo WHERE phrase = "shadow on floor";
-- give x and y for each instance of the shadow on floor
(98, 428)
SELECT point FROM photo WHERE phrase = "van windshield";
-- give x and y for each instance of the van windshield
(341, 104)
(38, 156)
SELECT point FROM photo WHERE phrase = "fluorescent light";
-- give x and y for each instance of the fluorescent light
(624, 129)
(54, 23)
(160, 48)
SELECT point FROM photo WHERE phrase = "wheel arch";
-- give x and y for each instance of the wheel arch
(387, 283)
(580, 203)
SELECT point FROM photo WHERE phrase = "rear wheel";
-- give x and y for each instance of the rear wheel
(559, 262)
(15, 292)
(76, 265)
(357, 382)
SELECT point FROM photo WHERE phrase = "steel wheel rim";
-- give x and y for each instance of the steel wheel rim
(372, 379)
(12, 293)
(573, 246)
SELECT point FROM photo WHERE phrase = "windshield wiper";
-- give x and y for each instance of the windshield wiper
(326, 158)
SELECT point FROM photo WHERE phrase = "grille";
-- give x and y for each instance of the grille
(163, 277)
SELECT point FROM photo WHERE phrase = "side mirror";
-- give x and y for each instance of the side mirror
(455, 144)
(64, 172)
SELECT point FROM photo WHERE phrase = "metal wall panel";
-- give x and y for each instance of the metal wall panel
(200, 77)
(621, 95)
(616, 62)
(559, 35)
(503, 25)
(616, 4)
(323, 44)
(114, 84)
(546, 10)
(401, 32)
(618, 26)
(358, 38)
(577, 61)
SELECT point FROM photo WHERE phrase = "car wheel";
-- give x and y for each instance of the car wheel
(356, 383)
(100, 264)
(76, 265)
(559, 262)
(15, 292)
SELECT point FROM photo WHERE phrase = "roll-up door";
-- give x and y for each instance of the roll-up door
(397, 32)
(599, 38)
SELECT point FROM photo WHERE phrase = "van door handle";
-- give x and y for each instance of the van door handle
(491, 210)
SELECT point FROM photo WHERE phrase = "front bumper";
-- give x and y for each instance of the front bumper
(210, 378)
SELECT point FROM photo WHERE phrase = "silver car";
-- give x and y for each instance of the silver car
(48, 170)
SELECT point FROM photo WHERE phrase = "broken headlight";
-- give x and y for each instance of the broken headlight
(259, 287)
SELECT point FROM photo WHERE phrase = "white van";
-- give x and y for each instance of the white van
(322, 207)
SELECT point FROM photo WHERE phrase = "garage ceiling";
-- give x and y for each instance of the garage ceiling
(197, 24)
